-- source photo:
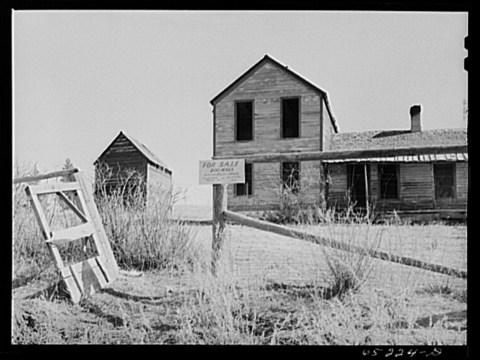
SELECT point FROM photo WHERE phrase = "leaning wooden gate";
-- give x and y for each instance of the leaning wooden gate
(88, 276)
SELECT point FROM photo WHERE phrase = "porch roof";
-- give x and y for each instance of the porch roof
(405, 159)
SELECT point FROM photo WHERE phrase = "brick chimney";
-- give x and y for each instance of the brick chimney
(416, 123)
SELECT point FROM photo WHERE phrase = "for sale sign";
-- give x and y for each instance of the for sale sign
(222, 171)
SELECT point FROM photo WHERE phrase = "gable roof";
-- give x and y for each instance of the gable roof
(285, 68)
(149, 155)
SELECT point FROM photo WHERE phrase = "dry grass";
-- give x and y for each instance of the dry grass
(269, 290)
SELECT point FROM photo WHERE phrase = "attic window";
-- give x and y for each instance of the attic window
(291, 118)
(444, 178)
(244, 120)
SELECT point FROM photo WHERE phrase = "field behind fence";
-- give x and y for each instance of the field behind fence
(251, 253)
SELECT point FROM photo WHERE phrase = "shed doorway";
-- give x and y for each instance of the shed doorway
(358, 184)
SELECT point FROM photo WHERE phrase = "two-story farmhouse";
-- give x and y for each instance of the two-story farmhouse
(282, 124)
(272, 109)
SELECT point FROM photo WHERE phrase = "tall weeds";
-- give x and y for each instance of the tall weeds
(141, 231)
(142, 235)
(29, 254)
(347, 270)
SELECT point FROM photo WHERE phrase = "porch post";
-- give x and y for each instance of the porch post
(366, 189)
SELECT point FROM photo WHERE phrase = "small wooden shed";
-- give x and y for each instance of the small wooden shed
(126, 155)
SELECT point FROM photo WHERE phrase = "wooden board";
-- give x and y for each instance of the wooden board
(100, 237)
(72, 206)
(63, 173)
(71, 234)
(83, 279)
(87, 277)
(53, 188)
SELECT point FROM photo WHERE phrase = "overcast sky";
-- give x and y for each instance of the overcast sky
(81, 77)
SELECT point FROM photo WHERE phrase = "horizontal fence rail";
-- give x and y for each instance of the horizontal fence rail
(62, 173)
(320, 240)
(347, 154)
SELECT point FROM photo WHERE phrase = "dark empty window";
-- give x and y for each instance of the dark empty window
(244, 120)
(388, 181)
(290, 118)
(291, 176)
(247, 187)
(444, 178)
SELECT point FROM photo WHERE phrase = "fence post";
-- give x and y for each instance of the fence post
(218, 223)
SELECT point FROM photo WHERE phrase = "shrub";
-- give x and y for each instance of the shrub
(142, 234)
(30, 255)
(142, 237)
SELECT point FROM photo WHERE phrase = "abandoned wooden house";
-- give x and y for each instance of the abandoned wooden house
(128, 162)
(270, 116)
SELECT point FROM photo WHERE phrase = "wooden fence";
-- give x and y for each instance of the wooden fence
(221, 215)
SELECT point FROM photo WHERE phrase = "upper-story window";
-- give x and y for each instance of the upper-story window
(243, 120)
(291, 118)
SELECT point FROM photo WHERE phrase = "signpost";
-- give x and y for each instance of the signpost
(220, 173)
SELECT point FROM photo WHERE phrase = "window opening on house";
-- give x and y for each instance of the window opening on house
(444, 179)
(388, 181)
(244, 120)
(290, 118)
(357, 184)
(291, 176)
(247, 187)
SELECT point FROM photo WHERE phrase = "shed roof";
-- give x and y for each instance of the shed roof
(388, 139)
(268, 58)
(396, 139)
(149, 155)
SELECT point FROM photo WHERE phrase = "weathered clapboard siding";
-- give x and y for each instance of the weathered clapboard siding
(266, 86)
(459, 201)
(121, 166)
(462, 181)
(416, 188)
(267, 187)
(310, 182)
(159, 185)
(158, 178)
(122, 156)
(376, 199)
(265, 194)
(327, 128)
(126, 156)
(337, 186)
